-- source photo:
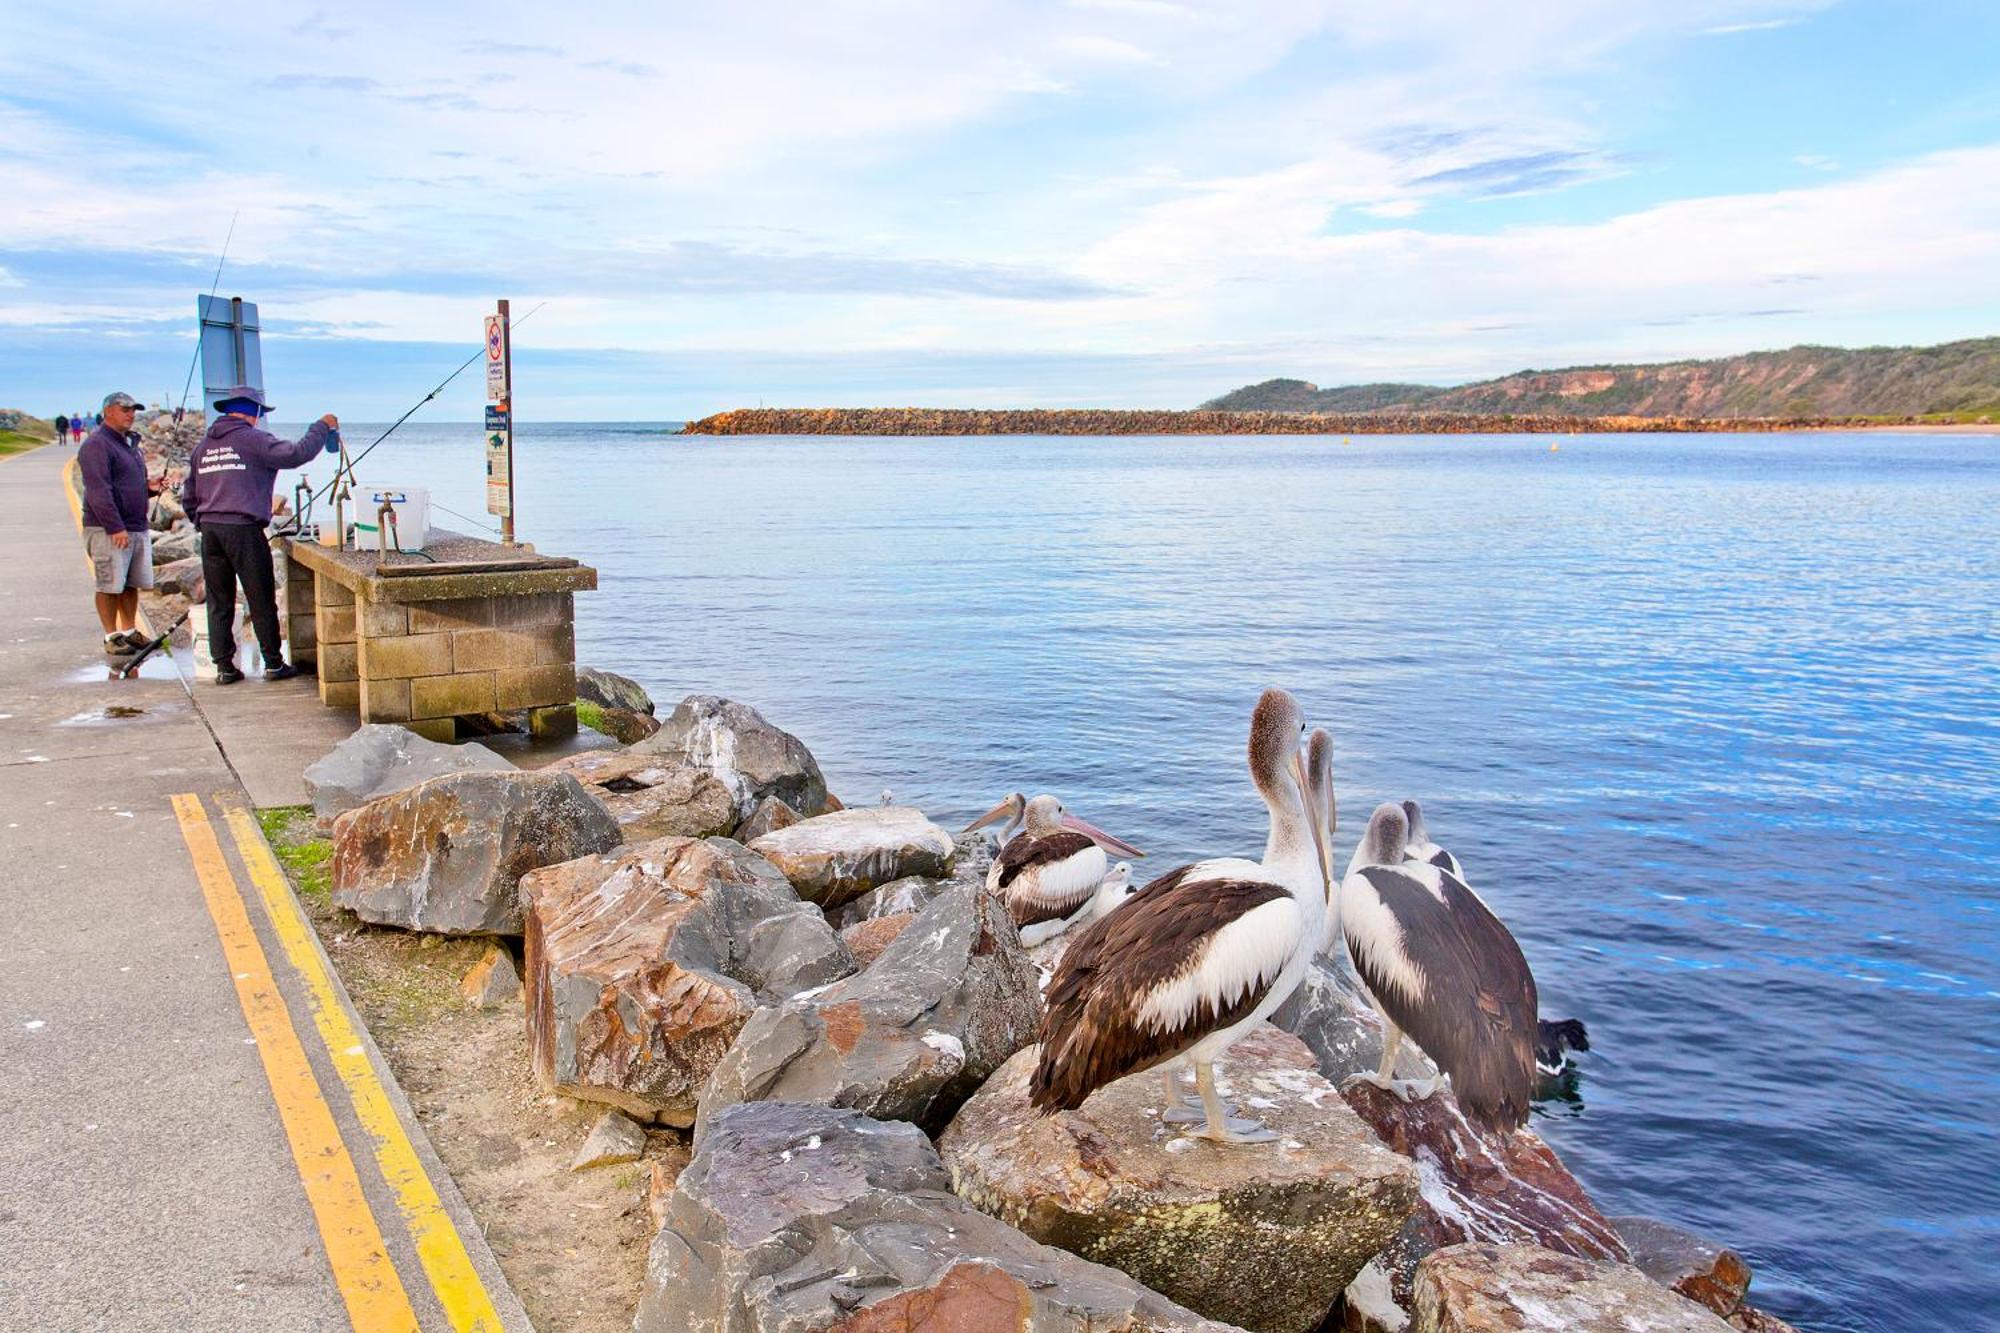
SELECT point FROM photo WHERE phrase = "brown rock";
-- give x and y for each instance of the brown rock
(625, 726)
(867, 940)
(1263, 1236)
(1479, 1186)
(831, 859)
(447, 854)
(1752, 1320)
(643, 965)
(1698, 1269)
(652, 797)
(1481, 1288)
(770, 815)
(493, 981)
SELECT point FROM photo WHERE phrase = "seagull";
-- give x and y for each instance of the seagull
(1440, 967)
(1197, 958)
(1053, 868)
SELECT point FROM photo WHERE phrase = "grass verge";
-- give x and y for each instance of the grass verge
(14, 442)
(305, 855)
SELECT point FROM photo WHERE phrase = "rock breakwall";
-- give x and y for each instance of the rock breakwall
(1093, 421)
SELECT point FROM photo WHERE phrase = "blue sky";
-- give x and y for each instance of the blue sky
(1094, 202)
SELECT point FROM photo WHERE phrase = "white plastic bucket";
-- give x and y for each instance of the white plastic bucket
(413, 516)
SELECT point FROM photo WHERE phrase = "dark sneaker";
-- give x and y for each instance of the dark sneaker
(131, 640)
(227, 675)
(282, 671)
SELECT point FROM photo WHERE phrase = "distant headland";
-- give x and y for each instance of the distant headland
(1801, 388)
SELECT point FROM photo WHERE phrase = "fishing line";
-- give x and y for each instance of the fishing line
(347, 465)
(213, 287)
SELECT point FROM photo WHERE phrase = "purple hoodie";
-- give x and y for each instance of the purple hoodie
(232, 470)
(114, 482)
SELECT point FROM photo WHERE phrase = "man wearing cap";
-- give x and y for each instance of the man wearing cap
(115, 531)
(227, 496)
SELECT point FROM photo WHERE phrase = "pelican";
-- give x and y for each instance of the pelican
(1421, 848)
(1440, 968)
(1052, 869)
(1198, 957)
(1015, 806)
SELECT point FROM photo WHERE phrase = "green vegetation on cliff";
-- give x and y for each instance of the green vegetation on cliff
(1958, 380)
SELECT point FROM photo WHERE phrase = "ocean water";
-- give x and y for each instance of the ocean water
(1713, 722)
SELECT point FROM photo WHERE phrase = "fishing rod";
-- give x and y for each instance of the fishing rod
(213, 287)
(346, 466)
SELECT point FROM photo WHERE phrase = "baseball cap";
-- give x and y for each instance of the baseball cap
(123, 400)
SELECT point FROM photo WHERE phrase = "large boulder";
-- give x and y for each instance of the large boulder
(381, 758)
(1699, 1269)
(1262, 1236)
(1489, 1288)
(770, 815)
(899, 897)
(653, 797)
(1329, 1015)
(176, 545)
(907, 1039)
(623, 725)
(180, 577)
(608, 689)
(807, 1219)
(835, 858)
(163, 511)
(447, 855)
(1478, 1186)
(643, 965)
(750, 756)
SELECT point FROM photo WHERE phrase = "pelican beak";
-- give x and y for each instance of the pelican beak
(1315, 819)
(1100, 837)
(1004, 810)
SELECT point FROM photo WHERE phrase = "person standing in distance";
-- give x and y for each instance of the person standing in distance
(62, 430)
(227, 496)
(115, 531)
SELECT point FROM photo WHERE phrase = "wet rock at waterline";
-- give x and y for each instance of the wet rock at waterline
(447, 855)
(1487, 1288)
(770, 815)
(1478, 1186)
(653, 797)
(643, 965)
(624, 726)
(750, 756)
(807, 1219)
(907, 1039)
(835, 858)
(1265, 1236)
(608, 689)
(381, 758)
(1699, 1269)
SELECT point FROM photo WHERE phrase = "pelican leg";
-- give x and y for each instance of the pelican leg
(1220, 1126)
(1183, 1109)
(1402, 1089)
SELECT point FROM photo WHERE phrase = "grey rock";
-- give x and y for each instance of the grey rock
(178, 576)
(169, 547)
(1487, 1288)
(834, 858)
(807, 1219)
(1692, 1265)
(381, 758)
(644, 965)
(910, 1038)
(611, 690)
(1266, 1237)
(164, 511)
(447, 855)
(747, 754)
(912, 893)
(1328, 1013)
(770, 815)
(615, 1138)
(651, 795)
(493, 982)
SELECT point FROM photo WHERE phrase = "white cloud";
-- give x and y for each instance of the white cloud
(1761, 25)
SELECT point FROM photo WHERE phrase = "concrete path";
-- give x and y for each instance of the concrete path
(195, 1130)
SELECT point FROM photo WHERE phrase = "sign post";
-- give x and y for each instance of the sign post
(499, 431)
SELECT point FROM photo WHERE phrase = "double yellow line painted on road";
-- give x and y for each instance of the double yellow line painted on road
(362, 1268)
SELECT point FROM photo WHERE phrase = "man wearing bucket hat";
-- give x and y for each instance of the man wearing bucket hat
(227, 496)
(115, 531)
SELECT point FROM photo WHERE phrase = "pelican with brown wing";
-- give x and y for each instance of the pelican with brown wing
(1443, 971)
(1051, 872)
(1194, 960)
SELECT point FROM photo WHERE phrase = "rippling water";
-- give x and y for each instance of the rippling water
(1711, 721)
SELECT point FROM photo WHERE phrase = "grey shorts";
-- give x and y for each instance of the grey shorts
(119, 570)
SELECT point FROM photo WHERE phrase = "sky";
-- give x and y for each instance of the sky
(1120, 203)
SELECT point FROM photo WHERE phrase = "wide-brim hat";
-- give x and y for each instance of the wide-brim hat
(242, 393)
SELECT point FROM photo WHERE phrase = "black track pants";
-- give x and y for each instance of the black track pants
(233, 553)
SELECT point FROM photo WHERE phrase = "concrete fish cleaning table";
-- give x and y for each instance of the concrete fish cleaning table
(469, 627)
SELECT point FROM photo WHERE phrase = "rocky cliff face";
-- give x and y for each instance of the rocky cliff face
(1960, 377)
(1090, 421)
